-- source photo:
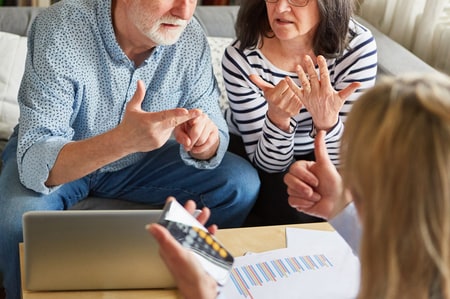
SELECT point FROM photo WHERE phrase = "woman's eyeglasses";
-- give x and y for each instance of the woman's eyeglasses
(297, 3)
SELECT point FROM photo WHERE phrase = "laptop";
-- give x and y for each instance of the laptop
(92, 250)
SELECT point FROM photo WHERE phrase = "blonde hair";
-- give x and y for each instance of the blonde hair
(396, 157)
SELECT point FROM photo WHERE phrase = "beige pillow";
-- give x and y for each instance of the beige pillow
(218, 45)
(13, 50)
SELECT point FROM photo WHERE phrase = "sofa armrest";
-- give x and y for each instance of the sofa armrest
(393, 58)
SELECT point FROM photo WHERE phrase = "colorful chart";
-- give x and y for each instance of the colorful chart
(246, 277)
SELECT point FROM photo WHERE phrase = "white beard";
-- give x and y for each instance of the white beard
(162, 36)
(154, 31)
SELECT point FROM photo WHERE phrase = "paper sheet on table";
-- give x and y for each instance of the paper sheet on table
(318, 264)
(297, 237)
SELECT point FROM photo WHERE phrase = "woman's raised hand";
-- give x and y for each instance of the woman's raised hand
(318, 95)
(282, 101)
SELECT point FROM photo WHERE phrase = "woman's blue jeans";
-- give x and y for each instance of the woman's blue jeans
(230, 190)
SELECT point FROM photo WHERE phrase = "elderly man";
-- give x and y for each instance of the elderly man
(118, 100)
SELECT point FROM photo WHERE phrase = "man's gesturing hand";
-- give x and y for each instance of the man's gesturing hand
(143, 131)
(199, 136)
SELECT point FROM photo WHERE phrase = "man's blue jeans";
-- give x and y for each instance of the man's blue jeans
(229, 190)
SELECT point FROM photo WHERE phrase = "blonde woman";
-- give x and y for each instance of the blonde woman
(396, 172)
(396, 169)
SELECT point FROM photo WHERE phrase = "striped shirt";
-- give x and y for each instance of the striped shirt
(267, 146)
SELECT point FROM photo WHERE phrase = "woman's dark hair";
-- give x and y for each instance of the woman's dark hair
(332, 33)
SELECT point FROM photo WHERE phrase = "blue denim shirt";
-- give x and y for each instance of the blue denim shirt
(77, 83)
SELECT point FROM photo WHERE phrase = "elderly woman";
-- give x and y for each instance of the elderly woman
(314, 44)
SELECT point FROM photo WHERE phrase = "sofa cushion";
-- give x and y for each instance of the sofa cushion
(13, 50)
(218, 45)
(217, 20)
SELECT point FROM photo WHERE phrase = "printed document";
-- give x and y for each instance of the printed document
(315, 265)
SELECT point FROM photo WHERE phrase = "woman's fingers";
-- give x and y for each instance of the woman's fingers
(323, 71)
(303, 78)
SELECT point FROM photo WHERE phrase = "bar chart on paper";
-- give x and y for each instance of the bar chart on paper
(246, 277)
(284, 273)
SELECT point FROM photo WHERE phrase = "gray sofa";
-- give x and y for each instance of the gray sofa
(218, 21)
